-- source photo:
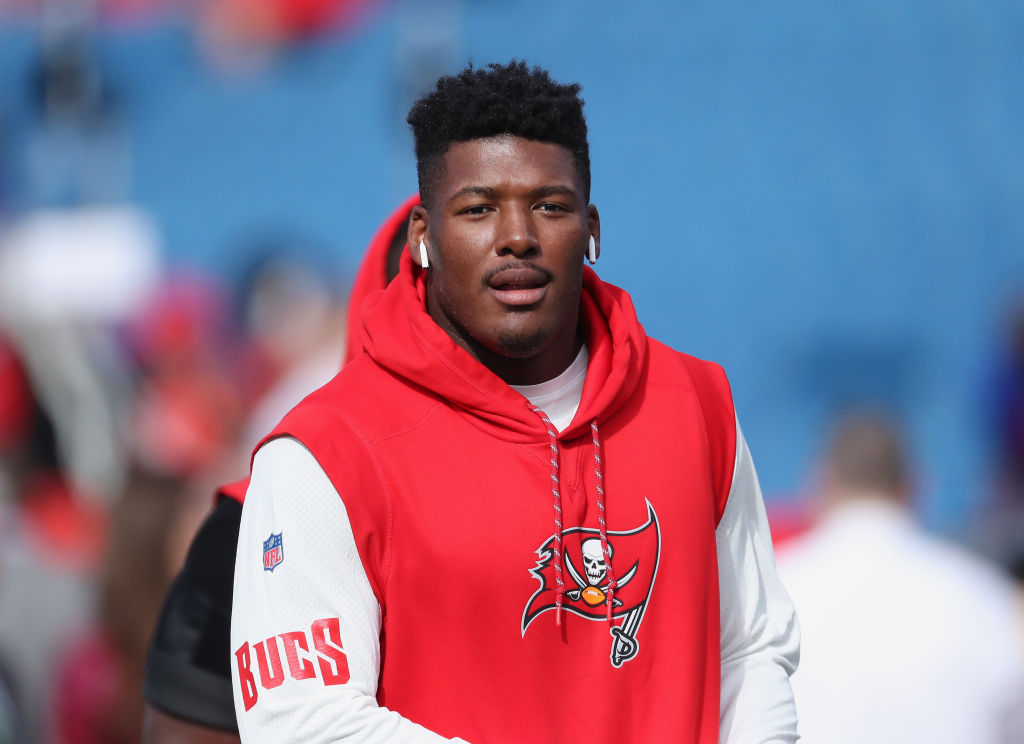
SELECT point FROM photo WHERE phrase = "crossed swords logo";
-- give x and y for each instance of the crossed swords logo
(624, 645)
(591, 587)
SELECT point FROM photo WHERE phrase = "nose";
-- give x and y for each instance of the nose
(516, 234)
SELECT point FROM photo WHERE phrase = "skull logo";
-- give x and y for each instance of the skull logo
(593, 560)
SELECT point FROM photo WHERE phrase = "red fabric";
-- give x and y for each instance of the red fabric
(15, 398)
(788, 520)
(719, 418)
(70, 529)
(372, 274)
(234, 490)
(371, 277)
(87, 687)
(444, 470)
(301, 18)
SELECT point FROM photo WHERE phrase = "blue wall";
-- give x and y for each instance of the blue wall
(825, 199)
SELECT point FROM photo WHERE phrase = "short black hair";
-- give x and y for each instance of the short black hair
(511, 99)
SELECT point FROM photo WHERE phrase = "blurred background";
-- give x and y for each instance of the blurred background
(826, 199)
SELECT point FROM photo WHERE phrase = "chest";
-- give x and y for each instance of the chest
(478, 511)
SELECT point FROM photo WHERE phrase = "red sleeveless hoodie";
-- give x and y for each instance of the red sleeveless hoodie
(451, 481)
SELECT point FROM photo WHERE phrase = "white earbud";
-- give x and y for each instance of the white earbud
(592, 250)
(424, 260)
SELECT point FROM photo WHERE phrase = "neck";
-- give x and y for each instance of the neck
(551, 357)
(529, 370)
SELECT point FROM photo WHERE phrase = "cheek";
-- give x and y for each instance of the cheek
(572, 269)
(459, 265)
(467, 239)
(454, 275)
(453, 289)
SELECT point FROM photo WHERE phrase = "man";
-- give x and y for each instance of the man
(906, 638)
(501, 522)
(187, 682)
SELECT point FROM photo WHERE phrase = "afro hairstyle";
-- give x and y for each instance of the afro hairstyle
(511, 99)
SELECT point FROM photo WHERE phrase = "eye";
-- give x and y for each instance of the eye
(476, 210)
(552, 207)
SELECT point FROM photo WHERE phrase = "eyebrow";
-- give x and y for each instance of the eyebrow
(554, 191)
(490, 193)
(484, 191)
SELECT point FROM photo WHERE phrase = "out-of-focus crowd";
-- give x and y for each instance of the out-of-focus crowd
(115, 427)
(128, 390)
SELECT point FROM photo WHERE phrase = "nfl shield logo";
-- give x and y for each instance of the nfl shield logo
(273, 551)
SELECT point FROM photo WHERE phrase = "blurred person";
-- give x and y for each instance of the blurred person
(78, 258)
(240, 36)
(402, 536)
(9, 727)
(98, 685)
(186, 412)
(905, 638)
(78, 150)
(1008, 410)
(187, 677)
(9, 709)
(295, 327)
(69, 279)
(16, 408)
(999, 524)
(51, 540)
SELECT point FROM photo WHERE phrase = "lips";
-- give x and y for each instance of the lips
(518, 286)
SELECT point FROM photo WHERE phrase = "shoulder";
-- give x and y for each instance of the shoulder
(707, 378)
(707, 383)
(362, 404)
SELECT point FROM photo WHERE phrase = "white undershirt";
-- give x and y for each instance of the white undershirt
(560, 397)
(760, 638)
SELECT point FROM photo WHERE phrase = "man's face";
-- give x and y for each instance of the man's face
(506, 236)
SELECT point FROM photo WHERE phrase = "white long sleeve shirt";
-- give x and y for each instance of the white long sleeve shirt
(906, 638)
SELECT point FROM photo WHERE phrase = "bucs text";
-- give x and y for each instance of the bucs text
(330, 656)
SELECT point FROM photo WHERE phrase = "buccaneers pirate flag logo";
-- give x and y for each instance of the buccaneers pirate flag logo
(634, 553)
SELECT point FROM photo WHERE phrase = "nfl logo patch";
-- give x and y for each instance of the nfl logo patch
(273, 551)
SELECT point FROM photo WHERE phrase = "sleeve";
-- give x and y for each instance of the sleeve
(305, 628)
(187, 674)
(760, 633)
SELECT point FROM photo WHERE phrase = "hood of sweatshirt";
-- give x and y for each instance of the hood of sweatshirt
(399, 334)
(373, 272)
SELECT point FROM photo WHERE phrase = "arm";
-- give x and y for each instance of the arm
(760, 634)
(305, 636)
(187, 676)
(160, 728)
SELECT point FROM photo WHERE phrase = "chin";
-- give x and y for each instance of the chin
(520, 345)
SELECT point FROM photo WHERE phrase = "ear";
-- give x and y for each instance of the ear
(419, 221)
(594, 226)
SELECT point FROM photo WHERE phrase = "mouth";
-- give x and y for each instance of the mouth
(519, 286)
